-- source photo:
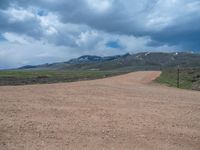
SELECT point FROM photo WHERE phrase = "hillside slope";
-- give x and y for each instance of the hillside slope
(127, 62)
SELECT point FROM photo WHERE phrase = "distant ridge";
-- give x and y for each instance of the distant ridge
(139, 61)
(27, 67)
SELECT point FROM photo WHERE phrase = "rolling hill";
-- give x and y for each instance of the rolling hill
(127, 62)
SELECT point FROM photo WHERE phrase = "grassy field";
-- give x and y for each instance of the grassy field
(17, 77)
(189, 78)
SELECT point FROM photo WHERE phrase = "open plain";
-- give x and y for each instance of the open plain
(126, 112)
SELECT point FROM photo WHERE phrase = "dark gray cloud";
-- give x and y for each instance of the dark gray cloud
(169, 22)
(29, 27)
(88, 25)
(4, 4)
(187, 36)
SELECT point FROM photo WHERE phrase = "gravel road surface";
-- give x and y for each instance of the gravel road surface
(126, 112)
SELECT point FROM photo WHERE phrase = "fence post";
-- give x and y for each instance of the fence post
(178, 77)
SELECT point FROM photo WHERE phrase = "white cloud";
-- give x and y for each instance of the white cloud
(33, 53)
(47, 30)
(100, 5)
(16, 38)
(49, 23)
(21, 50)
(87, 39)
(18, 14)
(167, 13)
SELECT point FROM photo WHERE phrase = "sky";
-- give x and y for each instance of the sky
(44, 31)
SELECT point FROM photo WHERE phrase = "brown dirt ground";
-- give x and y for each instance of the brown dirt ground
(126, 112)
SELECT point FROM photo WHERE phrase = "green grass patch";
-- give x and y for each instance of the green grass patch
(189, 78)
(19, 77)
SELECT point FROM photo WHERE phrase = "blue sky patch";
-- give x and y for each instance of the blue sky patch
(113, 44)
(2, 38)
(42, 12)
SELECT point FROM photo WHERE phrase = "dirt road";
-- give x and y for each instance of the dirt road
(121, 113)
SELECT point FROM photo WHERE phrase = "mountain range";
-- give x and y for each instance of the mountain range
(126, 62)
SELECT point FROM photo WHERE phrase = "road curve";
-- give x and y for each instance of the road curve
(125, 112)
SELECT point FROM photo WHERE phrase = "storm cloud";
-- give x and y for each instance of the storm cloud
(60, 30)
